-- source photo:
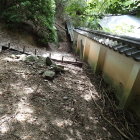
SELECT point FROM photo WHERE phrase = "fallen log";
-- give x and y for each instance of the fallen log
(77, 63)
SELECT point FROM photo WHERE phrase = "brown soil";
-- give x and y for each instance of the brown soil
(32, 108)
(19, 39)
(76, 105)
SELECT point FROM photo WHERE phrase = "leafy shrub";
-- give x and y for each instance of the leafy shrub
(38, 13)
(88, 13)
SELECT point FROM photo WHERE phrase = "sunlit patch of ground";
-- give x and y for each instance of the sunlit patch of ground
(32, 108)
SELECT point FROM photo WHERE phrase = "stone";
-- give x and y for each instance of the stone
(40, 72)
(13, 56)
(41, 61)
(65, 98)
(49, 62)
(31, 58)
(49, 74)
(22, 57)
(57, 68)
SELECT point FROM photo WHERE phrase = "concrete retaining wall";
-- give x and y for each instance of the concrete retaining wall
(121, 72)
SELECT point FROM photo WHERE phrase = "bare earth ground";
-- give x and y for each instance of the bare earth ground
(76, 105)
(32, 108)
(19, 40)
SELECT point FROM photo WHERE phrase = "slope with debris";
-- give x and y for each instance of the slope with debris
(67, 107)
(70, 104)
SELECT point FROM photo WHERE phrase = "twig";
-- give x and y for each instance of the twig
(9, 118)
(126, 125)
(100, 83)
(101, 112)
(112, 105)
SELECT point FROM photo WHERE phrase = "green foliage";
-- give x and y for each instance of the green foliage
(60, 4)
(89, 12)
(122, 6)
(75, 9)
(122, 29)
(38, 13)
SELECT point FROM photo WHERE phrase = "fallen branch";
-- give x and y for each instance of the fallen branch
(77, 63)
(109, 122)
(126, 125)
(13, 116)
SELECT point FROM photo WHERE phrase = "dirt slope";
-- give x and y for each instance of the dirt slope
(32, 108)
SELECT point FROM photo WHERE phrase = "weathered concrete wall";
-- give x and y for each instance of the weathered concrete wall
(121, 72)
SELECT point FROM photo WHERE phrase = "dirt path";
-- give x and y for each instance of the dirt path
(67, 108)
(32, 108)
